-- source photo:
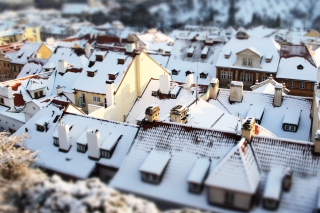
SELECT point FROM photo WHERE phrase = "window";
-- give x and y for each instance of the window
(40, 128)
(105, 153)
(302, 85)
(14, 68)
(226, 75)
(286, 127)
(264, 78)
(105, 102)
(82, 148)
(12, 131)
(194, 188)
(243, 77)
(150, 177)
(84, 99)
(56, 141)
(292, 84)
(290, 128)
(249, 61)
(1, 101)
(228, 198)
(246, 77)
(244, 61)
(96, 99)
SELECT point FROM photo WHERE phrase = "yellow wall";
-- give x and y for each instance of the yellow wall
(313, 33)
(32, 34)
(45, 51)
(89, 99)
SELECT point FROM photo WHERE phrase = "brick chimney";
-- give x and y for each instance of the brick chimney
(236, 91)
(94, 143)
(248, 129)
(64, 137)
(214, 88)
(277, 100)
(153, 113)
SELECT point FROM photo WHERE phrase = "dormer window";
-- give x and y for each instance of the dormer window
(91, 73)
(175, 72)
(204, 52)
(203, 75)
(91, 63)
(227, 54)
(55, 141)
(197, 175)
(82, 147)
(190, 51)
(1, 101)
(188, 72)
(175, 91)
(291, 120)
(300, 67)
(38, 94)
(154, 92)
(99, 58)
(154, 166)
(269, 58)
(42, 124)
(109, 145)
(122, 60)
(113, 76)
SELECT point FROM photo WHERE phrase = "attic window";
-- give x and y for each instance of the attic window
(38, 94)
(1, 101)
(82, 147)
(203, 75)
(113, 76)
(154, 92)
(188, 72)
(300, 67)
(204, 52)
(121, 60)
(197, 175)
(154, 166)
(227, 54)
(291, 120)
(175, 72)
(99, 58)
(175, 91)
(42, 124)
(91, 73)
(55, 141)
(91, 63)
(109, 145)
(190, 51)
(269, 58)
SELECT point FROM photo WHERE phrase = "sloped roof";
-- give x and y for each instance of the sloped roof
(237, 171)
(27, 51)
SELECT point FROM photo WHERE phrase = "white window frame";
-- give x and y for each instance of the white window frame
(292, 84)
(292, 128)
(81, 148)
(96, 99)
(56, 141)
(105, 153)
(264, 78)
(302, 85)
(244, 61)
(250, 62)
(223, 75)
(286, 127)
(229, 198)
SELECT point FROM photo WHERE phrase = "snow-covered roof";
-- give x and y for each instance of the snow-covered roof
(261, 46)
(268, 87)
(256, 111)
(155, 163)
(109, 65)
(289, 69)
(292, 116)
(237, 171)
(110, 141)
(155, 41)
(180, 61)
(76, 164)
(28, 50)
(273, 116)
(273, 187)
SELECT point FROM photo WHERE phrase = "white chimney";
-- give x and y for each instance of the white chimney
(130, 46)
(93, 140)
(164, 84)
(236, 91)
(64, 137)
(190, 80)
(110, 93)
(62, 66)
(50, 41)
(10, 102)
(214, 88)
(87, 50)
(9, 91)
(277, 100)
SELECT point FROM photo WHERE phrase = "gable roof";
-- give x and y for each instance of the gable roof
(237, 171)
(251, 49)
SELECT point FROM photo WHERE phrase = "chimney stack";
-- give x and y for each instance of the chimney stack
(164, 84)
(62, 66)
(214, 88)
(64, 137)
(87, 50)
(110, 93)
(50, 41)
(94, 143)
(153, 113)
(179, 114)
(248, 129)
(236, 91)
(190, 80)
(277, 100)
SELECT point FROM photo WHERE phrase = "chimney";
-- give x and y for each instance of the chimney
(179, 114)
(110, 93)
(287, 180)
(236, 91)
(64, 137)
(153, 113)
(50, 41)
(277, 100)
(38, 55)
(164, 84)
(190, 80)
(248, 129)
(87, 50)
(93, 140)
(130, 47)
(10, 97)
(62, 66)
(9, 91)
(214, 88)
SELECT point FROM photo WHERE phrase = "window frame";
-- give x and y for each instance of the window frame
(302, 85)
(96, 99)
(292, 84)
